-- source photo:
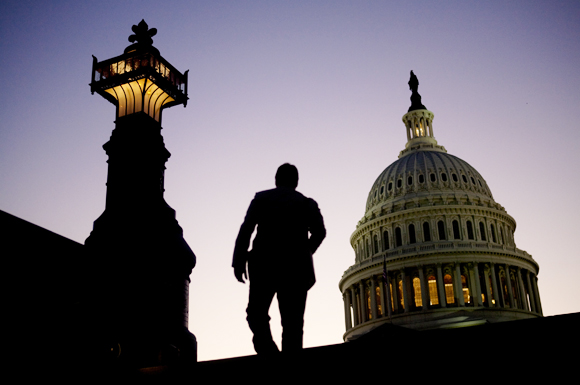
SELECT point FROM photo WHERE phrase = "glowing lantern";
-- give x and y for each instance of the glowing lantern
(139, 80)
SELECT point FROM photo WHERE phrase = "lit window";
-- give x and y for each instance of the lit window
(417, 290)
(433, 290)
(419, 131)
(400, 294)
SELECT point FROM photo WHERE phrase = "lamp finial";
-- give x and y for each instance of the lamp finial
(142, 33)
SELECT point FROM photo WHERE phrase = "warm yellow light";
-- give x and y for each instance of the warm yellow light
(417, 289)
(434, 300)
(419, 131)
(140, 96)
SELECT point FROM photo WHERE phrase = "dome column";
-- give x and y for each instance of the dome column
(536, 293)
(441, 287)
(459, 286)
(502, 290)
(523, 290)
(476, 283)
(395, 295)
(354, 306)
(508, 277)
(406, 297)
(386, 297)
(347, 319)
(487, 284)
(362, 302)
(496, 293)
(424, 289)
(531, 292)
(373, 295)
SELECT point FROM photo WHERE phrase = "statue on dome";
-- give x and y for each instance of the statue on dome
(415, 97)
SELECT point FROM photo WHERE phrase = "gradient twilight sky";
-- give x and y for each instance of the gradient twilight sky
(320, 84)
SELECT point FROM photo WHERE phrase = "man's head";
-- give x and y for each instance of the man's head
(287, 176)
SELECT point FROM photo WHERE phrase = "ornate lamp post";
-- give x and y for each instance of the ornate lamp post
(142, 264)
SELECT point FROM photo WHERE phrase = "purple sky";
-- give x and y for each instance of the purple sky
(320, 84)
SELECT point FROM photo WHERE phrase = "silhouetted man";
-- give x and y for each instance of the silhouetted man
(280, 261)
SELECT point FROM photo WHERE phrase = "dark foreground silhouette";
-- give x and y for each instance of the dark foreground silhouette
(290, 229)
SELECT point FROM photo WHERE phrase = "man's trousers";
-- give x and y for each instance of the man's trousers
(291, 302)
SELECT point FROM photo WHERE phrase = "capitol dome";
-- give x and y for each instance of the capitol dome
(426, 174)
(434, 249)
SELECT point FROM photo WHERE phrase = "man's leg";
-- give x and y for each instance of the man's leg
(292, 303)
(261, 296)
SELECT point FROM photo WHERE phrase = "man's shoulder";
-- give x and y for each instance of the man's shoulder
(280, 192)
(265, 193)
(284, 195)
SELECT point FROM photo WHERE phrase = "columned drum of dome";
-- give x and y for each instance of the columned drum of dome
(434, 249)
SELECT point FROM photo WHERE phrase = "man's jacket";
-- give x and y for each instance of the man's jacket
(290, 229)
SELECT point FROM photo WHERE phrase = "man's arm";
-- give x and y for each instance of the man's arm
(316, 227)
(243, 243)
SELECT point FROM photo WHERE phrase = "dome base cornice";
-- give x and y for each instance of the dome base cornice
(447, 318)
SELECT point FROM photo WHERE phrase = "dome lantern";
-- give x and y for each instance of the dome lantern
(419, 123)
